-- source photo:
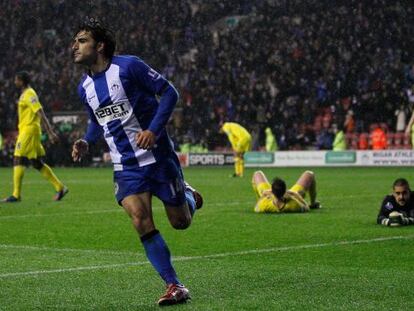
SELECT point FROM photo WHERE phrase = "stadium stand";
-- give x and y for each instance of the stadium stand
(296, 66)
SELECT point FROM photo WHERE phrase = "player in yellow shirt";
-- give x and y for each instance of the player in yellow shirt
(274, 198)
(28, 146)
(240, 140)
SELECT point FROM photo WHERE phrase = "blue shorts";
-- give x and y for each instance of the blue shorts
(164, 179)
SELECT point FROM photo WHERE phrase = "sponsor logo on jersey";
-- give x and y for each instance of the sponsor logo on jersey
(90, 98)
(116, 111)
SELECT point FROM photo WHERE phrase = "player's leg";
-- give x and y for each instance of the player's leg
(240, 156)
(138, 207)
(180, 201)
(19, 167)
(260, 183)
(50, 176)
(243, 148)
(307, 182)
(21, 153)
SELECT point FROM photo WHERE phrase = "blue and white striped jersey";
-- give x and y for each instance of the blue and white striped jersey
(121, 101)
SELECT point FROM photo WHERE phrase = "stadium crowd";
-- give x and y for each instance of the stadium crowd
(299, 67)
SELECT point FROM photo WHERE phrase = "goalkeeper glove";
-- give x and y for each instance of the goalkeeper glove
(398, 219)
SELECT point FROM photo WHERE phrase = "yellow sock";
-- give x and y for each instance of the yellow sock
(241, 167)
(236, 165)
(48, 174)
(18, 173)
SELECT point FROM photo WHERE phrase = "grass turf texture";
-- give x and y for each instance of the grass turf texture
(83, 254)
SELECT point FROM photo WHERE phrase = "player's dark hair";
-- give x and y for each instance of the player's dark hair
(401, 182)
(24, 76)
(278, 187)
(99, 33)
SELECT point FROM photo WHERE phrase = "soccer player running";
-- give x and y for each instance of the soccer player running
(274, 198)
(29, 148)
(119, 92)
(397, 209)
(240, 140)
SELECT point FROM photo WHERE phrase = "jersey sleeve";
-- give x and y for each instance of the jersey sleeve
(385, 210)
(32, 100)
(155, 84)
(94, 130)
(147, 77)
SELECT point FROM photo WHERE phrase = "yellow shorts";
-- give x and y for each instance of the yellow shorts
(28, 145)
(243, 145)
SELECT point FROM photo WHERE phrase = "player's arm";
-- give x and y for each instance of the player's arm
(93, 132)
(383, 215)
(47, 126)
(298, 198)
(156, 84)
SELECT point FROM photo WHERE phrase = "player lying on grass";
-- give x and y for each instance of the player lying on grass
(397, 209)
(274, 198)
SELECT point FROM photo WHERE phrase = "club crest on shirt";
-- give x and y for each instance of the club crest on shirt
(389, 206)
(115, 87)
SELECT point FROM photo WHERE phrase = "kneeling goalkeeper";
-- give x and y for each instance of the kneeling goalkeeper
(397, 209)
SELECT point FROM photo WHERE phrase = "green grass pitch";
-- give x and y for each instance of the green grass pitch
(83, 254)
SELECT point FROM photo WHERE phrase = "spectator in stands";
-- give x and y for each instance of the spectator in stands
(397, 209)
(339, 143)
(271, 143)
(409, 130)
(378, 137)
(331, 55)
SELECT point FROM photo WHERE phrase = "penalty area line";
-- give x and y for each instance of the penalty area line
(212, 256)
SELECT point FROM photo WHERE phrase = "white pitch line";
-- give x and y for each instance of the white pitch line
(73, 250)
(104, 211)
(219, 255)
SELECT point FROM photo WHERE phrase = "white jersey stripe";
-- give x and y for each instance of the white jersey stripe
(130, 124)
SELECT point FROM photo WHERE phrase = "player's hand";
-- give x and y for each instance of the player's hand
(397, 219)
(79, 149)
(145, 139)
(54, 138)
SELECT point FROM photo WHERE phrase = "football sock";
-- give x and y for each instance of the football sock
(48, 174)
(236, 165)
(18, 173)
(241, 167)
(159, 256)
(189, 197)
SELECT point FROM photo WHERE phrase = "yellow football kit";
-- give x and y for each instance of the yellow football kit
(239, 137)
(266, 202)
(28, 141)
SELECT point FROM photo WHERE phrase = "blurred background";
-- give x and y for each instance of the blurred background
(304, 70)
